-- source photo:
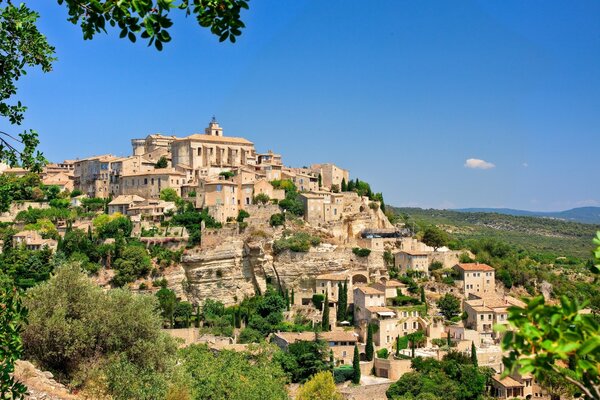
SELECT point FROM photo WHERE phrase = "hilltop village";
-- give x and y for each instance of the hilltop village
(220, 223)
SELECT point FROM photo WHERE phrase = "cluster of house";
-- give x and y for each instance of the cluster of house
(373, 305)
(218, 172)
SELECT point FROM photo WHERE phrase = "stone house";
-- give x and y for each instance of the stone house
(485, 312)
(366, 297)
(475, 278)
(123, 203)
(412, 261)
(390, 287)
(149, 184)
(340, 342)
(200, 151)
(321, 207)
(328, 284)
(331, 174)
(92, 175)
(32, 240)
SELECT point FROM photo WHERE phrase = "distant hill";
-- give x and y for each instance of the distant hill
(585, 215)
(548, 235)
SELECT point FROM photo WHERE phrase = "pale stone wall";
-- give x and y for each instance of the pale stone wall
(391, 368)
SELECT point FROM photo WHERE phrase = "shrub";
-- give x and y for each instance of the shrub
(434, 266)
(241, 215)
(261, 198)
(298, 242)
(343, 374)
(227, 174)
(361, 252)
(277, 219)
(402, 300)
(383, 353)
(318, 300)
(74, 323)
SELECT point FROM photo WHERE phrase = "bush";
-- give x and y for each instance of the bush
(298, 242)
(73, 323)
(241, 215)
(343, 374)
(434, 266)
(361, 252)
(277, 219)
(318, 300)
(261, 198)
(383, 353)
(402, 300)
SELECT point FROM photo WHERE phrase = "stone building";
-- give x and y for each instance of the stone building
(340, 342)
(148, 184)
(485, 312)
(475, 278)
(412, 261)
(199, 152)
(33, 240)
(331, 175)
(321, 207)
(92, 175)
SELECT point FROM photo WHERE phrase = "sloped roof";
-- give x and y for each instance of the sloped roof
(202, 137)
(474, 267)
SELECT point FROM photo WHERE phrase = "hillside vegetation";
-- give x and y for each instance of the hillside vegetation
(562, 238)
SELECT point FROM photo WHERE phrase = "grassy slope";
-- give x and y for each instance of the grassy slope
(532, 233)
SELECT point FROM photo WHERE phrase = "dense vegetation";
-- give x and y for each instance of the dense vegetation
(455, 377)
(532, 253)
(534, 234)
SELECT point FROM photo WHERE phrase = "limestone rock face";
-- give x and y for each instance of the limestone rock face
(231, 265)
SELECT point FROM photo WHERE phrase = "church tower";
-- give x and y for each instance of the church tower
(213, 128)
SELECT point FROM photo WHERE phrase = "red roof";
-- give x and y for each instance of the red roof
(474, 267)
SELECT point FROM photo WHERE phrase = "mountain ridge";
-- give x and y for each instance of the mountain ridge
(584, 215)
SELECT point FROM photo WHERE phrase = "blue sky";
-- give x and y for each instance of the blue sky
(402, 93)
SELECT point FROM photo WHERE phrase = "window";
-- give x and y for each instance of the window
(219, 188)
(145, 181)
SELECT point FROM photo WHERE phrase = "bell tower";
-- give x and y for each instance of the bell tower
(213, 128)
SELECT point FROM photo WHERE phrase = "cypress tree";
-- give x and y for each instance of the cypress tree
(339, 315)
(350, 185)
(422, 294)
(473, 354)
(344, 305)
(331, 360)
(320, 181)
(356, 366)
(448, 341)
(412, 348)
(369, 350)
(287, 299)
(344, 185)
(398, 345)
(292, 295)
(325, 321)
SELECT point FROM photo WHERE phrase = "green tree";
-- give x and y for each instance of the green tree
(133, 263)
(304, 359)
(369, 349)
(474, 354)
(356, 366)
(320, 387)
(325, 316)
(342, 301)
(22, 45)
(12, 320)
(435, 237)
(261, 198)
(167, 301)
(169, 194)
(228, 374)
(162, 162)
(449, 305)
(344, 186)
(73, 323)
(554, 339)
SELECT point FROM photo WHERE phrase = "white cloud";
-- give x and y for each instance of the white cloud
(525, 165)
(475, 163)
